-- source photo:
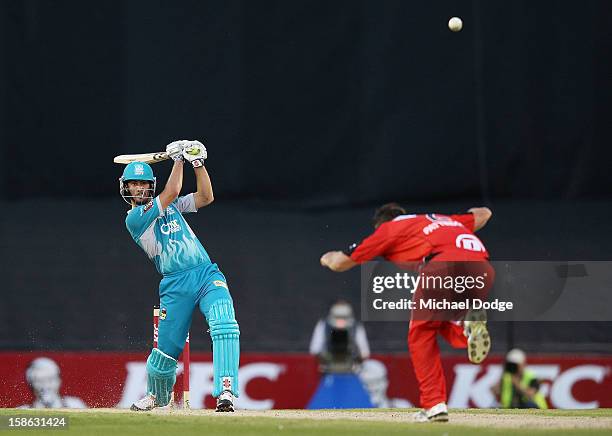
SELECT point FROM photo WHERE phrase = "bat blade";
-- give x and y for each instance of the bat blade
(145, 157)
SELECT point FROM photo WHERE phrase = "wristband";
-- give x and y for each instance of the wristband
(350, 249)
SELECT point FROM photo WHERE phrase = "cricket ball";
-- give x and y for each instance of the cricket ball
(455, 24)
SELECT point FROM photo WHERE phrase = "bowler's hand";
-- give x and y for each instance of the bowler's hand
(337, 261)
(326, 258)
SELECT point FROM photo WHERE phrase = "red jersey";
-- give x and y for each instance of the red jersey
(410, 238)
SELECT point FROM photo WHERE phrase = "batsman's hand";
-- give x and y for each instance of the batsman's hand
(196, 153)
(175, 149)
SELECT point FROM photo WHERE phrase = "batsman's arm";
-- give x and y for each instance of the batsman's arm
(337, 261)
(173, 185)
(204, 195)
(481, 216)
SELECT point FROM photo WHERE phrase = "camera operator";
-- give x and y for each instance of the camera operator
(519, 387)
(339, 341)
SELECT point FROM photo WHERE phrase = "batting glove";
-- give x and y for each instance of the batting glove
(196, 153)
(175, 149)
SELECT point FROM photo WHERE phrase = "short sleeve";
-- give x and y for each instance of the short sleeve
(186, 204)
(374, 245)
(140, 218)
(317, 342)
(467, 219)
(361, 339)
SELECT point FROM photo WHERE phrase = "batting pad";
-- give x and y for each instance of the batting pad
(161, 375)
(225, 336)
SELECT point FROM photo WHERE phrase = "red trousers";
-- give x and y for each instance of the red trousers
(426, 325)
(423, 346)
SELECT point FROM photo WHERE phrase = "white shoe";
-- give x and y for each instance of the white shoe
(225, 402)
(168, 406)
(438, 413)
(144, 404)
(479, 341)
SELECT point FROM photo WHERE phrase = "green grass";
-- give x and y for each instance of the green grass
(593, 413)
(151, 424)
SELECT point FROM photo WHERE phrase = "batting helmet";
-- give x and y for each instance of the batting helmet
(136, 171)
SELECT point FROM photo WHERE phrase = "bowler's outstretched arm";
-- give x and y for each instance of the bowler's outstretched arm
(337, 261)
(481, 216)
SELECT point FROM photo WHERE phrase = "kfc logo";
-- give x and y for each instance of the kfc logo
(470, 388)
(201, 374)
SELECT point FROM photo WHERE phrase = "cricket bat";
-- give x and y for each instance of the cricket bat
(145, 157)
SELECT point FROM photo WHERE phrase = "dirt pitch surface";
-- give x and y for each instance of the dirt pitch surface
(361, 422)
(484, 418)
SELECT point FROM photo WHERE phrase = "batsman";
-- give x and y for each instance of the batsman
(189, 278)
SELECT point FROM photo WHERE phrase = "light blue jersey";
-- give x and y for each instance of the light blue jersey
(165, 235)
